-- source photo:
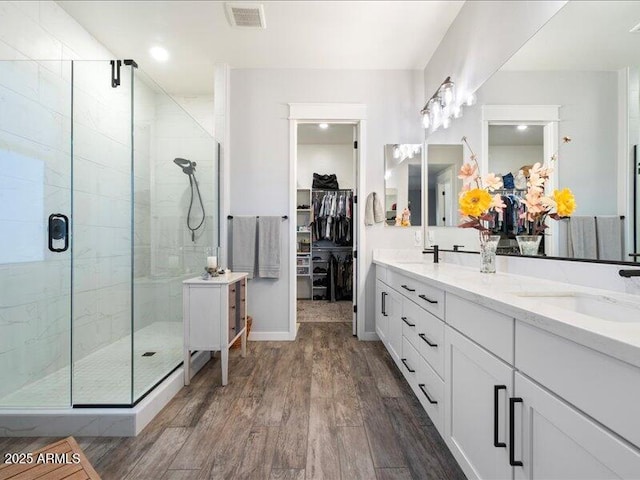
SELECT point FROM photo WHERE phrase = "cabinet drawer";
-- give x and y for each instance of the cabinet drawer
(411, 322)
(490, 329)
(381, 273)
(601, 386)
(409, 363)
(429, 298)
(430, 392)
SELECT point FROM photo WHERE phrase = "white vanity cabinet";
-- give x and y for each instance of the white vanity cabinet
(552, 440)
(476, 403)
(214, 316)
(511, 399)
(388, 319)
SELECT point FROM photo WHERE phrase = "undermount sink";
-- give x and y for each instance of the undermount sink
(598, 306)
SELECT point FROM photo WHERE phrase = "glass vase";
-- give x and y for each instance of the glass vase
(488, 247)
(529, 244)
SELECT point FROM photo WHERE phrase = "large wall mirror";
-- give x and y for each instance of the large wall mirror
(578, 77)
(403, 184)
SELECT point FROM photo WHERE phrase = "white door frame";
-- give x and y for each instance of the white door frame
(349, 113)
(545, 115)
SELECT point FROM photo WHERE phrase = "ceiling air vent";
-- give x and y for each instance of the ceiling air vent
(241, 14)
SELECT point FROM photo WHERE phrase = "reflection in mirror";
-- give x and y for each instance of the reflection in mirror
(585, 61)
(403, 184)
(443, 185)
(513, 150)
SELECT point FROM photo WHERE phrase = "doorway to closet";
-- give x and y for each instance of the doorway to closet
(326, 222)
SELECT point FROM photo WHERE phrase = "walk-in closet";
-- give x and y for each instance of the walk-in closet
(325, 222)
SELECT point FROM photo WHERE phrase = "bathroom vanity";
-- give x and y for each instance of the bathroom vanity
(524, 378)
(215, 315)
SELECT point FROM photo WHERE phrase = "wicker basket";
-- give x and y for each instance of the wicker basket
(238, 342)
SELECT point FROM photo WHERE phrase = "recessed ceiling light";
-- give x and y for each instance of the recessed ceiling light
(323, 126)
(522, 127)
(158, 53)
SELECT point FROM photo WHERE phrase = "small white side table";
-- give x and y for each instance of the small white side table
(214, 316)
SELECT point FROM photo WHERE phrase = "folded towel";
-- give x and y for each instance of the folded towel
(610, 237)
(582, 242)
(243, 245)
(269, 247)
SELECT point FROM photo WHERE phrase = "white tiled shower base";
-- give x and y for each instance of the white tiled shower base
(107, 422)
(104, 377)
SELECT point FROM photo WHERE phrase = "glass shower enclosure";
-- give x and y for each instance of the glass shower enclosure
(94, 244)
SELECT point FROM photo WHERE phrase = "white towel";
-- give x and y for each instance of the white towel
(373, 212)
(243, 245)
(269, 247)
(609, 230)
(582, 238)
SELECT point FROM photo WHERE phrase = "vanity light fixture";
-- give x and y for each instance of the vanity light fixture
(444, 105)
(158, 53)
(522, 128)
(323, 126)
(402, 151)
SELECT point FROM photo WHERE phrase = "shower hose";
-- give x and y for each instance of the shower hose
(192, 182)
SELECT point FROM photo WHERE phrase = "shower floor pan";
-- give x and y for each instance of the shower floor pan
(21, 413)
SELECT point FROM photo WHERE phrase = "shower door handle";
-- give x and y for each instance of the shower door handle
(58, 230)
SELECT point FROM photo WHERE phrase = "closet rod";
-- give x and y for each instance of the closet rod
(230, 217)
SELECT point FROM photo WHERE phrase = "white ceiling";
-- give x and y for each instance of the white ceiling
(584, 36)
(503, 135)
(300, 34)
(336, 134)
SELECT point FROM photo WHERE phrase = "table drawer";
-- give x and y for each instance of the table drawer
(603, 387)
(430, 392)
(431, 342)
(428, 297)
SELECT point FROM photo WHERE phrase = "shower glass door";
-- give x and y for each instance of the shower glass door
(35, 250)
(102, 234)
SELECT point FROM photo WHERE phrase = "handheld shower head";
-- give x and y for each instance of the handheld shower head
(187, 166)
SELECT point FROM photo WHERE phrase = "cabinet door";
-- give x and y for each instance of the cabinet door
(478, 387)
(393, 307)
(382, 318)
(553, 440)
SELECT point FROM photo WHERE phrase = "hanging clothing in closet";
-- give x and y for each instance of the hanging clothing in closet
(332, 215)
(340, 278)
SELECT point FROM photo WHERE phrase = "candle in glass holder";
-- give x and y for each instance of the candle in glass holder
(212, 262)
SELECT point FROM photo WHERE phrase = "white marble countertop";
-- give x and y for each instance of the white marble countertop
(499, 292)
(225, 279)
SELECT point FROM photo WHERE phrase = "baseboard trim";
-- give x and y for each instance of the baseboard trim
(269, 336)
(369, 337)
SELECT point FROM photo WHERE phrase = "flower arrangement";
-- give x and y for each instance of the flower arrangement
(476, 201)
(540, 206)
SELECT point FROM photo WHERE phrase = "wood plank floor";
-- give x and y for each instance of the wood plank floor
(323, 407)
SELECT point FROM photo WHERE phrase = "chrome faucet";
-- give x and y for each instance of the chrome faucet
(436, 251)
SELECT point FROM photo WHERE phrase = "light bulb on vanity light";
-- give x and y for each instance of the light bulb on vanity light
(396, 152)
(457, 111)
(446, 122)
(470, 99)
(425, 120)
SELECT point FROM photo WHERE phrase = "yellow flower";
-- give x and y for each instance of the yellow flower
(566, 202)
(475, 203)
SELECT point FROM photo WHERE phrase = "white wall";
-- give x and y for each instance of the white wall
(505, 159)
(326, 159)
(259, 160)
